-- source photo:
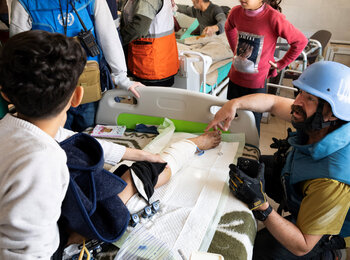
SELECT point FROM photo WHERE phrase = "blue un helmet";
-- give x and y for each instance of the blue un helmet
(330, 81)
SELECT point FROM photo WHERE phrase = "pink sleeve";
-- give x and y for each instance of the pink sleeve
(231, 32)
(295, 38)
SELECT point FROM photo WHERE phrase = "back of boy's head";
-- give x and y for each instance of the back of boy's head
(39, 72)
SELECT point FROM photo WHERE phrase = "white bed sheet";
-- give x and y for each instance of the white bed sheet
(190, 199)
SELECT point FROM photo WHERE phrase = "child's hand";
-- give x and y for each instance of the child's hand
(273, 72)
(273, 64)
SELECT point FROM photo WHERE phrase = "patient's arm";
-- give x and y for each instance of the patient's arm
(141, 155)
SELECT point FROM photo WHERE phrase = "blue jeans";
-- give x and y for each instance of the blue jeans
(267, 247)
(81, 117)
(236, 91)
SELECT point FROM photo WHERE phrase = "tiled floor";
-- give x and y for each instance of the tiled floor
(274, 128)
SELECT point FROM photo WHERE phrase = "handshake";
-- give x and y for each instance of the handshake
(247, 182)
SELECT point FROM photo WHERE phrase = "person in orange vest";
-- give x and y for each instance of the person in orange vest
(147, 29)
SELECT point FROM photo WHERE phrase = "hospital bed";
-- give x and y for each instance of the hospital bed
(192, 78)
(198, 213)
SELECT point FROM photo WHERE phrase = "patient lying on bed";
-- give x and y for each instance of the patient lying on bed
(143, 176)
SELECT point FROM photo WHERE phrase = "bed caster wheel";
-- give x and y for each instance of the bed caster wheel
(155, 206)
(134, 220)
(147, 212)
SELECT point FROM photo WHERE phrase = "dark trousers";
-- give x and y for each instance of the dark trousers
(168, 82)
(266, 246)
(235, 91)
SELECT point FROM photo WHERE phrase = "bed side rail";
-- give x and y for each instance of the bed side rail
(173, 103)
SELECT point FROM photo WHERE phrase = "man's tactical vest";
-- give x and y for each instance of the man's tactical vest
(328, 158)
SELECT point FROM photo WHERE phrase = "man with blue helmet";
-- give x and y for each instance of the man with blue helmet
(314, 179)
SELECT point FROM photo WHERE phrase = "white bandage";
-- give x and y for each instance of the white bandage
(178, 154)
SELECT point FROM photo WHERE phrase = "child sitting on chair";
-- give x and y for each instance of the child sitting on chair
(39, 72)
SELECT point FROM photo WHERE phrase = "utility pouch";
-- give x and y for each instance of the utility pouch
(90, 81)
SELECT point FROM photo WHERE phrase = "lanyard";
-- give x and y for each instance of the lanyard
(64, 21)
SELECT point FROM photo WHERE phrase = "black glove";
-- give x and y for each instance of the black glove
(248, 189)
(282, 147)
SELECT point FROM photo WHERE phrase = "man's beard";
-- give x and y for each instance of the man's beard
(299, 110)
(306, 123)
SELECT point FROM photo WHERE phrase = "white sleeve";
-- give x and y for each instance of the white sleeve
(63, 134)
(31, 208)
(111, 46)
(113, 153)
(20, 19)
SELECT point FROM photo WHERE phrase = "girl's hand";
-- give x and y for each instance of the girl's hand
(273, 64)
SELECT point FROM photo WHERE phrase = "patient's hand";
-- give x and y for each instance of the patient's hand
(150, 157)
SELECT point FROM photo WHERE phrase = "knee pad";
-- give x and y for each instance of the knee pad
(144, 176)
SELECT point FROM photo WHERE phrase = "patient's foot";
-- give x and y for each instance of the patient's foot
(207, 140)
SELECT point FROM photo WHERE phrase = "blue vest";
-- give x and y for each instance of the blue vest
(46, 15)
(328, 158)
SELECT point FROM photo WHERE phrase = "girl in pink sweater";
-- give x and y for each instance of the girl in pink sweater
(252, 29)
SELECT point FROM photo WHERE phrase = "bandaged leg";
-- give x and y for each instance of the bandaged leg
(144, 176)
(178, 154)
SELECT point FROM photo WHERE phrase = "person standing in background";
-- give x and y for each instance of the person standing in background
(147, 30)
(252, 29)
(211, 17)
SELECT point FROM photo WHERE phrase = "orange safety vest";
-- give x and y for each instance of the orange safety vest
(156, 56)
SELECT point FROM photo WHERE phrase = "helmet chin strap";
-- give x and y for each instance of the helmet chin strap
(314, 122)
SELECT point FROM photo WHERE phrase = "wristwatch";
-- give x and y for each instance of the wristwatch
(262, 214)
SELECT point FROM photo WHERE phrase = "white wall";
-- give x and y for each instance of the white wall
(310, 15)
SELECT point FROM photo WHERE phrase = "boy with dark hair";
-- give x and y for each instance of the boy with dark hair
(39, 72)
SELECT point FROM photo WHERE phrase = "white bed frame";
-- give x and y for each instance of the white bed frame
(174, 103)
(189, 78)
